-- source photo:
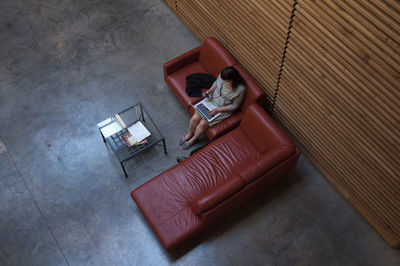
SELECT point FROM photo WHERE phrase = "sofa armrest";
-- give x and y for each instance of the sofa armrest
(261, 129)
(182, 61)
(225, 126)
(265, 162)
(217, 194)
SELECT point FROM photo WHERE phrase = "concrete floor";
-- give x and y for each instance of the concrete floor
(66, 65)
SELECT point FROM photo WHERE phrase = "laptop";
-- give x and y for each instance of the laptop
(203, 107)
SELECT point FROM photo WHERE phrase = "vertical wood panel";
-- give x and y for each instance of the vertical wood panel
(172, 4)
(339, 94)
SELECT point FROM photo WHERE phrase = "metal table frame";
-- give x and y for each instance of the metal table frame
(118, 146)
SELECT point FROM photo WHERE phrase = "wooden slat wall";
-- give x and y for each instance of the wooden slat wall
(239, 25)
(339, 96)
(339, 93)
(172, 4)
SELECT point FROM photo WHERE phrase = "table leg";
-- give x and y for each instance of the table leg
(141, 111)
(123, 169)
(104, 140)
(165, 147)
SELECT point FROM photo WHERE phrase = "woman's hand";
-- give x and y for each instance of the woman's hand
(210, 90)
(214, 111)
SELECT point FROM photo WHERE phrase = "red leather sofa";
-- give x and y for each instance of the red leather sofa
(187, 198)
(210, 57)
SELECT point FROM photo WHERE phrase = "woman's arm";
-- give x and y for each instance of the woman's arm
(220, 109)
(236, 102)
(230, 107)
(225, 108)
(210, 90)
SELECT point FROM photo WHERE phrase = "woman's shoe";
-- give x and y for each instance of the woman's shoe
(180, 159)
(186, 145)
(183, 140)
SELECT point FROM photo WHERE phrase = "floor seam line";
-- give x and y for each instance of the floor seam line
(37, 206)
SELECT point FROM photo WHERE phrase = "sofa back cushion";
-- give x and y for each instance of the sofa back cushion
(261, 130)
(214, 57)
(266, 162)
(254, 93)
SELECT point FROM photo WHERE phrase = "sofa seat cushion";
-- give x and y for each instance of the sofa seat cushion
(222, 127)
(171, 219)
(177, 82)
(166, 200)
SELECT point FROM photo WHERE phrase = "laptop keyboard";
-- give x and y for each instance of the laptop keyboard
(204, 111)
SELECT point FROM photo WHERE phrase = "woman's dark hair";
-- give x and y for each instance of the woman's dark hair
(230, 73)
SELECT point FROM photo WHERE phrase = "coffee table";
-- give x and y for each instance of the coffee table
(130, 116)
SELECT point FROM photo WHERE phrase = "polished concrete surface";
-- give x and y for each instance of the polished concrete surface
(66, 65)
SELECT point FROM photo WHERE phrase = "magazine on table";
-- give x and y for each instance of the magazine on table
(137, 134)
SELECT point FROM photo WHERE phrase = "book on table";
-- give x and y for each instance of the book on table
(111, 126)
(137, 134)
(131, 141)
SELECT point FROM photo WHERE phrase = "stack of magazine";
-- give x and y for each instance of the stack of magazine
(137, 134)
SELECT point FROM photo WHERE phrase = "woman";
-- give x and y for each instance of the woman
(227, 93)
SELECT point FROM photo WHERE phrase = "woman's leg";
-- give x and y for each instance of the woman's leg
(200, 129)
(194, 121)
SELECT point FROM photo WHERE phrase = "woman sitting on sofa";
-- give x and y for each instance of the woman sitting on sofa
(227, 93)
